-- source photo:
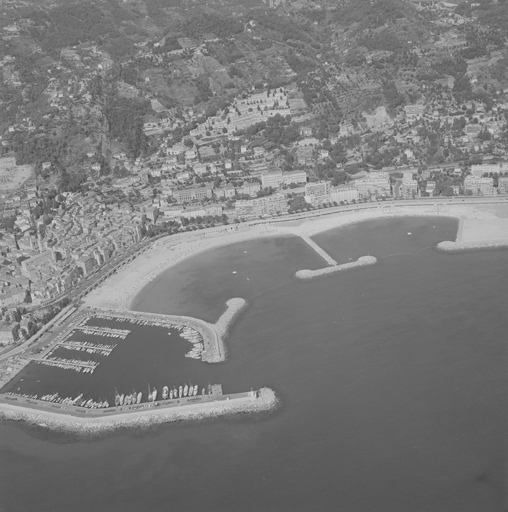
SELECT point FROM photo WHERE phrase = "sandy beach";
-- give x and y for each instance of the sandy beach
(479, 223)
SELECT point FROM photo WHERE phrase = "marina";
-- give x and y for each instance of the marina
(69, 364)
(95, 335)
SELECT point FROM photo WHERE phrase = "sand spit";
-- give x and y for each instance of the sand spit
(469, 246)
(265, 400)
(362, 261)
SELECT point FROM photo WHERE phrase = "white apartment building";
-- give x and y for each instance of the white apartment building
(409, 185)
(343, 193)
(375, 183)
(272, 179)
(479, 186)
(317, 193)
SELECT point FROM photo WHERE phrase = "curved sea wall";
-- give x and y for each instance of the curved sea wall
(234, 306)
(266, 400)
(215, 350)
(467, 246)
(362, 261)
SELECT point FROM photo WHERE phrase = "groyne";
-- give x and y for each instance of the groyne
(93, 421)
(318, 249)
(360, 262)
(468, 246)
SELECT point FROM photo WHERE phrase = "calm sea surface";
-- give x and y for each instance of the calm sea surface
(393, 383)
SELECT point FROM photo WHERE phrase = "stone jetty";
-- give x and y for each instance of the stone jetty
(264, 399)
(360, 262)
(318, 249)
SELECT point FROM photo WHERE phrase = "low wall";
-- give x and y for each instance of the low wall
(362, 261)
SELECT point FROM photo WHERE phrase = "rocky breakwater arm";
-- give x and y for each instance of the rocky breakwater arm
(216, 352)
(360, 262)
(141, 416)
(468, 246)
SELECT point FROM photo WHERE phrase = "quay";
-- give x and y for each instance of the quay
(318, 249)
(212, 335)
(58, 416)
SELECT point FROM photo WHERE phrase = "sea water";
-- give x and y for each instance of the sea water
(392, 380)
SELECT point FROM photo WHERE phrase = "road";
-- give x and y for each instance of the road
(120, 259)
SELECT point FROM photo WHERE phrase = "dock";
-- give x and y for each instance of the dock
(319, 250)
(178, 404)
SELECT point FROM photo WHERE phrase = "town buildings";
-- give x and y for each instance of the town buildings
(343, 193)
(317, 193)
(409, 186)
(479, 186)
(261, 207)
(374, 184)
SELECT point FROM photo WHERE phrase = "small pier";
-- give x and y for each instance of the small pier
(318, 249)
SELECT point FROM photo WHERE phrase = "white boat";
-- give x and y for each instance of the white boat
(195, 390)
(185, 390)
(140, 396)
(165, 393)
(154, 395)
(180, 392)
(121, 399)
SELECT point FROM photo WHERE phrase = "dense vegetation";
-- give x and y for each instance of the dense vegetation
(369, 15)
(125, 118)
(221, 26)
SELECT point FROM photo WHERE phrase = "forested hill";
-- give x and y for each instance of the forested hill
(91, 77)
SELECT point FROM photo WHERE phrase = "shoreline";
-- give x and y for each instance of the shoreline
(121, 289)
(251, 402)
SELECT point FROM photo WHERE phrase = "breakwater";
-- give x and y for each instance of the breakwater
(467, 246)
(218, 353)
(93, 421)
(362, 261)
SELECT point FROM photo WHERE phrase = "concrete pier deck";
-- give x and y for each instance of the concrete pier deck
(318, 249)
(82, 420)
